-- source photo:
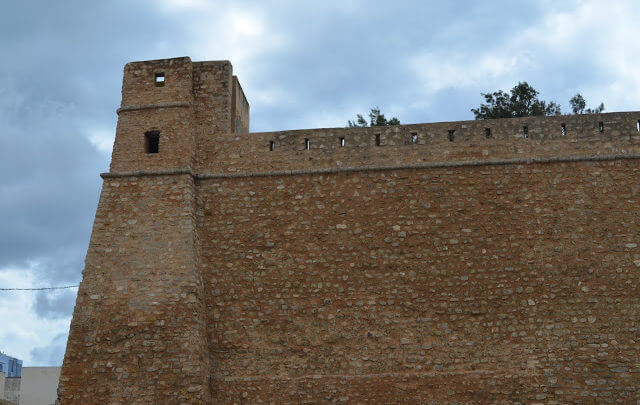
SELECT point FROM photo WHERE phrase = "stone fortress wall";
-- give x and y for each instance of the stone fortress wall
(417, 145)
(480, 261)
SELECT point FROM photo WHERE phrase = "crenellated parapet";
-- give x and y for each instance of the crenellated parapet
(516, 140)
(198, 116)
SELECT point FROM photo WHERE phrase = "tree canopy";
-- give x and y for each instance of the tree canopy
(523, 101)
(376, 119)
(578, 105)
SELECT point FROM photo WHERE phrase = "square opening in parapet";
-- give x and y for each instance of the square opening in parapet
(160, 79)
(414, 137)
(451, 134)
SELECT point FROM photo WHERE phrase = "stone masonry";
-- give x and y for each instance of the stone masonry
(460, 262)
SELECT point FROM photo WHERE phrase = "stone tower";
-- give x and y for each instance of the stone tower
(142, 296)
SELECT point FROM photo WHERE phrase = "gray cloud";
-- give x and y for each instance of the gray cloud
(51, 353)
(48, 188)
(344, 61)
(55, 305)
(61, 83)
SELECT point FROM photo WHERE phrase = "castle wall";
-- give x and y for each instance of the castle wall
(427, 263)
(250, 153)
(487, 283)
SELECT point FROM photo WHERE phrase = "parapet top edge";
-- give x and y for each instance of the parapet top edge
(557, 118)
(212, 62)
(179, 59)
(157, 61)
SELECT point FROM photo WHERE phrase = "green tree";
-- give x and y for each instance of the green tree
(522, 101)
(578, 106)
(376, 119)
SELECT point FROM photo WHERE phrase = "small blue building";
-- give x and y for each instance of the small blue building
(11, 366)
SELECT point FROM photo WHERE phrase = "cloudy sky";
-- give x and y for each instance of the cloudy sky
(302, 65)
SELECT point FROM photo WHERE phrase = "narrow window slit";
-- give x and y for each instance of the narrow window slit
(307, 144)
(272, 145)
(414, 137)
(564, 129)
(638, 125)
(160, 79)
(377, 139)
(487, 133)
(525, 131)
(601, 126)
(450, 135)
(152, 142)
(342, 142)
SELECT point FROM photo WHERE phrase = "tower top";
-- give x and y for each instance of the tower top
(169, 103)
(168, 82)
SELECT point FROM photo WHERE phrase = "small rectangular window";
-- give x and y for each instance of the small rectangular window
(152, 142)
(564, 129)
(487, 133)
(638, 125)
(272, 145)
(414, 137)
(450, 135)
(342, 142)
(307, 144)
(377, 139)
(601, 126)
(160, 79)
(525, 131)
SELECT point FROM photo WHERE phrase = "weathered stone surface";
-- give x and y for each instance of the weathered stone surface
(500, 269)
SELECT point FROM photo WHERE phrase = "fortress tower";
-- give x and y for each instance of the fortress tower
(480, 261)
(141, 308)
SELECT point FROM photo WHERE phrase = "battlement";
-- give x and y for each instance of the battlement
(201, 117)
(416, 145)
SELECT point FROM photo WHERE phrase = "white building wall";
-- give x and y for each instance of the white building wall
(39, 385)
